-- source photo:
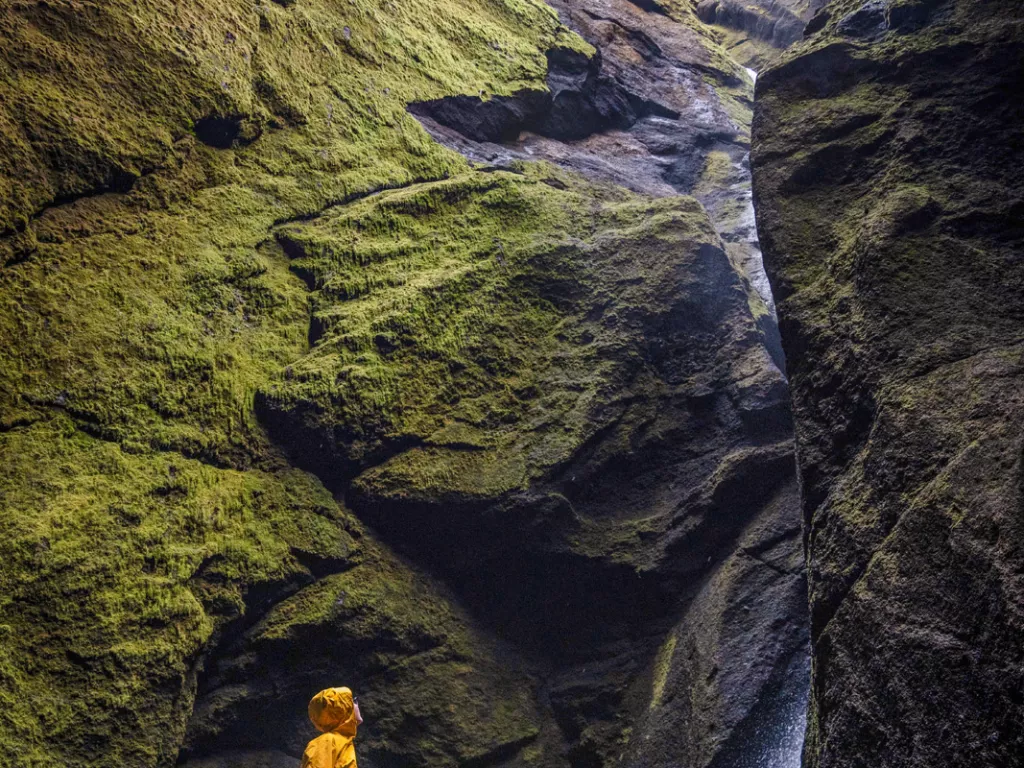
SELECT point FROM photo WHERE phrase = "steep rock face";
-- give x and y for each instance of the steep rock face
(886, 161)
(779, 23)
(660, 109)
(755, 32)
(572, 420)
(293, 395)
(730, 679)
(773, 22)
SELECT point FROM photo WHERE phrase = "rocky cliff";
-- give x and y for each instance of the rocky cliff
(486, 422)
(756, 31)
(886, 156)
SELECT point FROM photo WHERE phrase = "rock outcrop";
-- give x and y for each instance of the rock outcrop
(772, 21)
(755, 32)
(660, 108)
(886, 157)
(573, 420)
(292, 394)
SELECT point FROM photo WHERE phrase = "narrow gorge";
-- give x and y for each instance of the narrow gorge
(427, 347)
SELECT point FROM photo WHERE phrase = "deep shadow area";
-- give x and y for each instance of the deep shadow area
(581, 101)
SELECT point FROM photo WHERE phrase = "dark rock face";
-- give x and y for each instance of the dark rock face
(886, 159)
(770, 21)
(580, 101)
(870, 20)
(730, 680)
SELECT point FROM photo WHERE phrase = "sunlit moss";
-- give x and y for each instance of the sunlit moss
(141, 310)
(118, 568)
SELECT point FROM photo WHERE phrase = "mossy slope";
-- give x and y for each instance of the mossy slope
(544, 390)
(119, 569)
(96, 94)
(193, 222)
(454, 317)
(496, 334)
(148, 512)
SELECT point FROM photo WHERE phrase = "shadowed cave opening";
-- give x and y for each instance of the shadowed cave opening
(218, 131)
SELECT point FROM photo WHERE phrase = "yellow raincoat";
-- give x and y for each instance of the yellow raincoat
(332, 712)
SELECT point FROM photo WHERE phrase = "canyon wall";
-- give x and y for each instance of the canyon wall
(416, 346)
(887, 149)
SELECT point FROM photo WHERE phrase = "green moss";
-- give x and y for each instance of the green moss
(662, 666)
(141, 497)
(145, 303)
(711, 40)
(747, 50)
(439, 691)
(118, 569)
(718, 168)
(160, 297)
(156, 336)
(110, 89)
(462, 318)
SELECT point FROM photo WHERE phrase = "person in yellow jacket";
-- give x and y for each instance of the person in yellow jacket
(335, 713)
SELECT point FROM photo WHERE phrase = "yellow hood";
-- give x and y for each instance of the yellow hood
(332, 711)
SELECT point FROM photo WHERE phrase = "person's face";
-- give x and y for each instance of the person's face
(355, 706)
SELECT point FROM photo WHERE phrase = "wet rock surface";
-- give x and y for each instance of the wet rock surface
(755, 33)
(772, 22)
(716, 700)
(885, 157)
(643, 112)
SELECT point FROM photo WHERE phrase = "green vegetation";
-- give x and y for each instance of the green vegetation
(140, 313)
(125, 308)
(474, 319)
(419, 658)
(662, 666)
(187, 190)
(98, 94)
(117, 570)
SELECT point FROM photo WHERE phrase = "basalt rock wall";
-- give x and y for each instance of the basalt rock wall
(886, 156)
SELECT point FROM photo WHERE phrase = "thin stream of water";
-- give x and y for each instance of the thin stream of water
(785, 747)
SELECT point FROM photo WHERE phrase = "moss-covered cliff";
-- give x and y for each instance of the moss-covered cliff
(886, 167)
(292, 394)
